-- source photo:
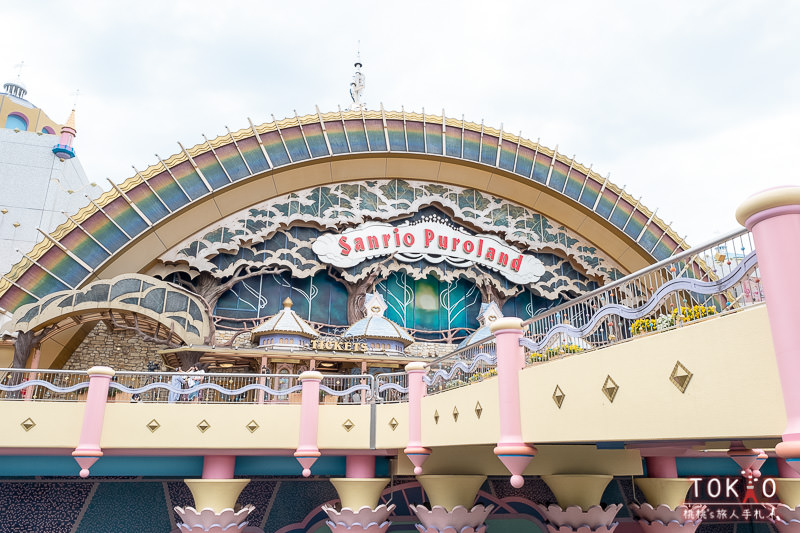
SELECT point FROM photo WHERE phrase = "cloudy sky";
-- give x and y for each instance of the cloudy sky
(691, 105)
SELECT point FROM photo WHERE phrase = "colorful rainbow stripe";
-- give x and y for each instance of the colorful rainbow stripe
(211, 169)
(574, 184)
(377, 140)
(621, 214)
(416, 137)
(590, 192)
(183, 184)
(147, 202)
(433, 138)
(524, 161)
(316, 141)
(274, 147)
(489, 150)
(127, 218)
(357, 136)
(232, 161)
(84, 247)
(189, 180)
(169, 192)
(507, 154)
(336, 137)
(293, 138)
(397, 136)
(253, 154)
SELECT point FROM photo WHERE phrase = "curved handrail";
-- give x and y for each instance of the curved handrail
(445, 375)
(624, 311)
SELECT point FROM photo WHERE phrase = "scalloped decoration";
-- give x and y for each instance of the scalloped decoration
(206, 518)
(583, 529)
(660, 527)
(374, 527)
(786, 513)
(664, 514)
(214, 528)
(575, 517)
(450, 529)
(439, 519)
(364, 515)
(792, 526)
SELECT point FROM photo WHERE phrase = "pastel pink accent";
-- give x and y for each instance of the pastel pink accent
(661, 467)
(93, 413)
(416, 453)
(460, 519)
(364, 516)
(218, 466)
(775, 232)
(307, 450)
(85, 463)
(785, 470)
(208, 520)
(28, 393)
(360, 466)
(512, 451)
(575, 517)
(374, 527)
(263, 380)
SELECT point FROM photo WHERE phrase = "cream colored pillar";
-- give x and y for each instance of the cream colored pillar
(578, 497)
(451, 499)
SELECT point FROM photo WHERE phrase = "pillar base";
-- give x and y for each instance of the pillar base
(684, 518)
(458, 519)
(574, 519)
(363, 520)
(208, 521)
(216, 494)
(582, 490)
(670, 492)
(451, 491)
(357, 493)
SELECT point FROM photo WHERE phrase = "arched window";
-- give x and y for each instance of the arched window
(17, 121)
(48, 130)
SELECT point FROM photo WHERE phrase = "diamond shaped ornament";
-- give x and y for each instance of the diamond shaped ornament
(348, 425)
(478, 409)
(436, 416)
(610, 388)
(680, 376)
(252, 426)
(393, 423)
(558, 396)
(153, 425)
(203, 426)
(455, 413)
(28, 424)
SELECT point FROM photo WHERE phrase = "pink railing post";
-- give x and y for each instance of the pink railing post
(773, 216)
(307, 451)
(88, 450)
(416, 453)
(218, 466)
(511, 450)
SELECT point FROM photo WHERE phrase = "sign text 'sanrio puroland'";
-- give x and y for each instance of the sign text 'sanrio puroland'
(433, 242)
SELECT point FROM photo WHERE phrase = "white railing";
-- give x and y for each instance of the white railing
(49, 385)
(343, 389)
(466, 365)
(709, 280)
(391, 387)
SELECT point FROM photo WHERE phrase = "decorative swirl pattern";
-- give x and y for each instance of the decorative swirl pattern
(675, 285)
(393, 386)
(445, 375)
(45, 384)
(202, 386)
(345, 392)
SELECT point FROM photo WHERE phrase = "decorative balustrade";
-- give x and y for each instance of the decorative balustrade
(355, 389)
(469, 364)
(391, 387)
(710, 280)
(49, 385)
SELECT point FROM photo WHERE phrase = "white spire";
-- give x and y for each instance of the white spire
(357, 85)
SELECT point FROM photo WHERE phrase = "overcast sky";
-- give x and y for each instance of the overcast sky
(691, 105)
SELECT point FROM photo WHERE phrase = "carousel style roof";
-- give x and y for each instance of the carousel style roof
(377, 326)
(285, 321)
(488, 314)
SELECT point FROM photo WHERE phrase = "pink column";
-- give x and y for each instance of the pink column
(88, 450)
(28, 394)
(661, 467)
(416, 453)
(218, 466)
(360, 466)
(307, 450)
(773, 216)
(511, 450)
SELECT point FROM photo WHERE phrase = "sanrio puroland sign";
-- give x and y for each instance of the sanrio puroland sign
(433, 242)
